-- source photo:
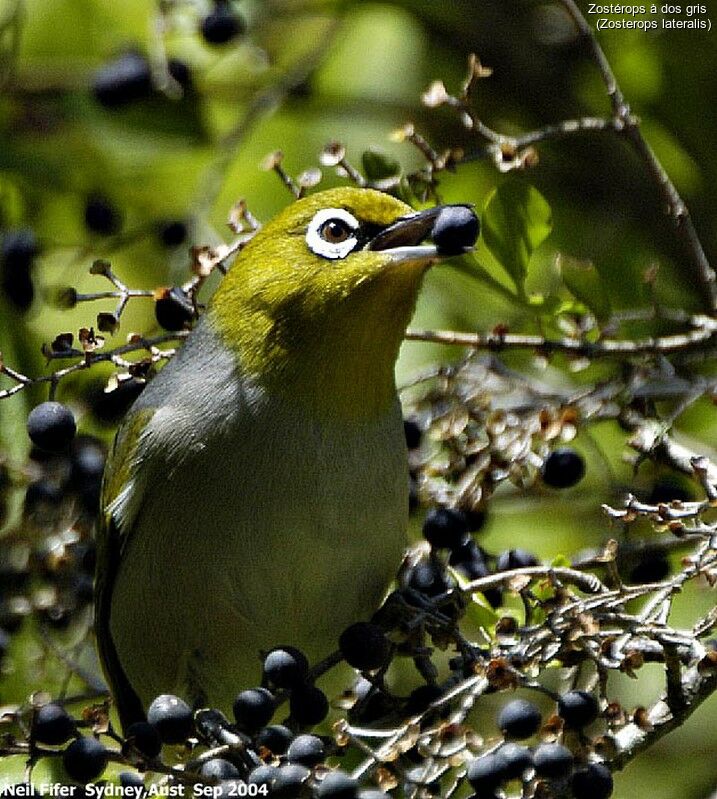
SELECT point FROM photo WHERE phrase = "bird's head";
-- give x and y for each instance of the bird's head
(320, 298)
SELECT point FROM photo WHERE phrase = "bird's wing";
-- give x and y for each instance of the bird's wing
(124, 485)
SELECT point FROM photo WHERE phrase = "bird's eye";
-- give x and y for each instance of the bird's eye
(332, 233)
(335, 231)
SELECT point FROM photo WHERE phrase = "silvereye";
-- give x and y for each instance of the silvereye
(257, 491)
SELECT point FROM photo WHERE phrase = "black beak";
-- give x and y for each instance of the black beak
(453, 228)
(408, 231)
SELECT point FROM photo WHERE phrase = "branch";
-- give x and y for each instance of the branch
(703, 334)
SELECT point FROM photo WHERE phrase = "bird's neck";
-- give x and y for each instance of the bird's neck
(338, 366)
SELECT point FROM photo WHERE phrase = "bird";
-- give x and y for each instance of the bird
(256, 493)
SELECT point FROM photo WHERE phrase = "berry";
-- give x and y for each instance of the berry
(337, 785)
(173, 309)
(485, 773)
(87, 461)
(145, 738)
(222, 24)
(420, 698)
(123, 81)
(651, 568)
(592, 782)
(445, 528)
(365, 646)
(219, 769)
(262, 775)
(286, 666)
(455, 230)
(276, 738)
(475, 519)
(172, 718)
(288, 781)
(130, 779)
(110, 406)
(18, 251)
(519, 719)
(469, 560)
(515, 559)
(412, 432)
(515, 760)
(563, 468)
(578, 709)
(53, 725)
(553, 761)
(306, 750)
(253, 709)
(87, 466)
(427, 578)
(172, 233)
(51, 426)
(101, 216)
(84, 759)
(308, 705)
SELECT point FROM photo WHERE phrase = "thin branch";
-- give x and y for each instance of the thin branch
(700, 337)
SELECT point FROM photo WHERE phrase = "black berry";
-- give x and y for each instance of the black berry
(172, 233)
(651, 568)
(110, 406)
(222, 24)
(286, 666)
(445, 528)
(52, 725)
(592, 782)
(515, 760)
(17, 254)
(485, 773)
(123, 81)
(172, 718)
(552, 761)
(308, 705)
(219, 769)
(427, 578)
(365, 646)
(253, 709)
(563, 468)
(515, 559)
(51, 426)
(306, 750)
(173, 309)
(262, 775)
(288, 781)
(84, 759)
(101, 216)
(130, 779)
(276, 738)
(578, 709)
(145, 738)
(519, 719)
(337, 785)
(412, 432)
(420, 698)
(455, 230)
(469, 559)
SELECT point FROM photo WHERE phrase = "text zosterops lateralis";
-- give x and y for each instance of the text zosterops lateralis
(257, 491)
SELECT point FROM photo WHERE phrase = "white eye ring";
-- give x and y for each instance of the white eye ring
(318, 244)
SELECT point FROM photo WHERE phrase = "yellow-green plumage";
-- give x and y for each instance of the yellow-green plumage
(256, 494)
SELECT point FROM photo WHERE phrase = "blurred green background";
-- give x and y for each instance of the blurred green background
(302, 74)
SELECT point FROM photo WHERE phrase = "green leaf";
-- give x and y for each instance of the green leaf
(585, 284)
(516, 220)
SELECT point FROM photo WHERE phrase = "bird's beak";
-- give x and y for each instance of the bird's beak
(402, 239)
